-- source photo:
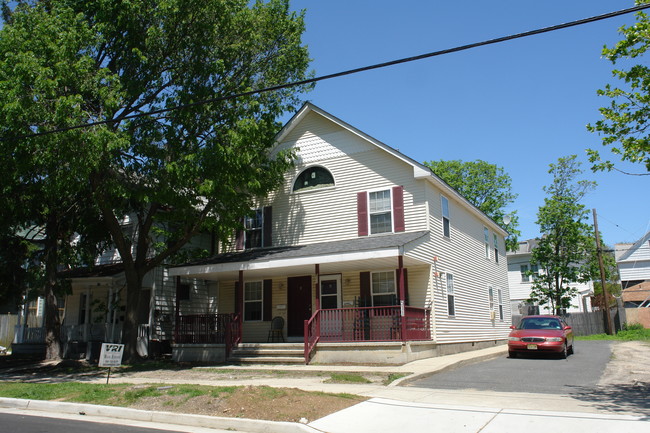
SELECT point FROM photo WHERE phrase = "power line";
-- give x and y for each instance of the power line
(347, 72)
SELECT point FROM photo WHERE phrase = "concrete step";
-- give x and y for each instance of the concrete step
(262, 360)
(268, 353)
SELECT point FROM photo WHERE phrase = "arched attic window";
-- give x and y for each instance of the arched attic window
(313, 177)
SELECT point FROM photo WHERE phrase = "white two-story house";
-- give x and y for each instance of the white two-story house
(364, 254)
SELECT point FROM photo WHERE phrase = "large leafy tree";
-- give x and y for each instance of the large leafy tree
(487, 186)
(193, 165)
(624, 123)
(48, 81)
(567, 245)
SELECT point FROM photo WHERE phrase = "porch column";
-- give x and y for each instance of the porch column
(241, 296)
(317, 289)
(87, 314)
(402, 294)
(177, 310)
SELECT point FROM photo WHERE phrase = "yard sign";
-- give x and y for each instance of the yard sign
(110, 356)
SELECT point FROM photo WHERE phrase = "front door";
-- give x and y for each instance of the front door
(298, 305)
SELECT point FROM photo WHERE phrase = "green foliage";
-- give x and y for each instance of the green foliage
(176, 174)
(634, 332)
(347, 378)
(567, 245)
(487, 186)
(625, 120)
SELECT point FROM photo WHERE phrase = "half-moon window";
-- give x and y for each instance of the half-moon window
(313, 177)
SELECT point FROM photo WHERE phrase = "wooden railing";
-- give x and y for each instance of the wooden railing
(209, 329)
(366, 324)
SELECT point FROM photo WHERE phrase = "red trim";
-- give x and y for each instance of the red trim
(362, 213)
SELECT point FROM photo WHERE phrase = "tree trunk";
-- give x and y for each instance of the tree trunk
(52, 320)
(130, 326)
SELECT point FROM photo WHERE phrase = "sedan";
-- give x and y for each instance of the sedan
(541, 334)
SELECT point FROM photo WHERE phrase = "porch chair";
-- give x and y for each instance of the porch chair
(275, 333)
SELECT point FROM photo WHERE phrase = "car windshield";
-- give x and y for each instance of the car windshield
(539, 323)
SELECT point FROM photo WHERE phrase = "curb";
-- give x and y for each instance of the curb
(223, 423)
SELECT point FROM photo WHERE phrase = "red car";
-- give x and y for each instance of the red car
(541, 334)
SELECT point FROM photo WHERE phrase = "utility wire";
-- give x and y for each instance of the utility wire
(347, 72)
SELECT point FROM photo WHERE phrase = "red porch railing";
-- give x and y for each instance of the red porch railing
(209, 329)
(366, 324)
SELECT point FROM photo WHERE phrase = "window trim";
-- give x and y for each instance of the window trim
(372, 286)
(523, 269)
(392, 210)
(500, 303)
(318, 187)
(260, 229)
(446, 219)
(261, 301)
(451, 298)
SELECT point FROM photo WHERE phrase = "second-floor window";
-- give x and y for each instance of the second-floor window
(496, 248)
(380, 212)
(486, 236)
(253, 229)
(526, 276)
(446, 230)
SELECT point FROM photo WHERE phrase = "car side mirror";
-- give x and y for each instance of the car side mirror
(567, 328)
(513, 327)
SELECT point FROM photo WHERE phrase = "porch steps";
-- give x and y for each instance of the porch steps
(268, 353)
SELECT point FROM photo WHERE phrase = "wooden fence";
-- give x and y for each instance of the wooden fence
(588, 323)
(8, 324)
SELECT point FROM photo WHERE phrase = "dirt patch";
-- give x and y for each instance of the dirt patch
(273, 404)
(628, 365)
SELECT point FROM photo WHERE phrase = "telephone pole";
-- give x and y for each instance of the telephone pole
(599, 252)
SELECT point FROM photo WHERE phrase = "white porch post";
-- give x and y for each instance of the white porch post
(87, 314)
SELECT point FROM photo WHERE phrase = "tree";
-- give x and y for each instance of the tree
(193, 166)
(625, 121)
(567, 246)
(48, 81)
(487, 186)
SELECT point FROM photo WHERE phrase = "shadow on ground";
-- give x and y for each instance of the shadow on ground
(617, 398)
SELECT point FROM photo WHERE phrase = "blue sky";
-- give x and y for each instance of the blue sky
(520, 104)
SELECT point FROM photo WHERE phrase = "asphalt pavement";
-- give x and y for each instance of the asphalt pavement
(391, 408)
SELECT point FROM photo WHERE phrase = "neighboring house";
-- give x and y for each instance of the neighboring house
(520, 284)
(636, 300)
(633, 261)
(365, 254)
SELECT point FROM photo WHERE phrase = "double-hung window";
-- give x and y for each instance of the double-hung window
(486, 236)
(496, 248)
(451, 302)
(523, 269)
(491, 297)
(383, 288)
(253, 300)
(446, 230)
(253, 226)
(380, 212)
(500, 300)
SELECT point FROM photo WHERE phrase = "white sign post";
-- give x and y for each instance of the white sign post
(111, 356)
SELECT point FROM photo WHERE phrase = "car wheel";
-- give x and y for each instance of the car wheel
(565, 351)
(512, 355)
(571, 351)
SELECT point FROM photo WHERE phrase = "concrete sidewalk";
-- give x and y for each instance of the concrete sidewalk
(390, 408)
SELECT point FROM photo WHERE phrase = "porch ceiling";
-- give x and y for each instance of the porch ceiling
(332, 258)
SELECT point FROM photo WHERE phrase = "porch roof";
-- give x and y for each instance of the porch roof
(370, 252)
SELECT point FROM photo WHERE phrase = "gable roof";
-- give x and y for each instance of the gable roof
(634, 247)
(420, 171)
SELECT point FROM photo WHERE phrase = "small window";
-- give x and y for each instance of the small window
(253, 226)
(500, 300)
(313, 177)
(486, 236)
(380, 212)
(383, 289)
(496, 249)
(253, 301)
(524, 273)
(451, 302)
(446, 231)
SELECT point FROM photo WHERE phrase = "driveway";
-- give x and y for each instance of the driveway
(539, 374)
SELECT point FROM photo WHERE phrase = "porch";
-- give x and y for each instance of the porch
(331, 335)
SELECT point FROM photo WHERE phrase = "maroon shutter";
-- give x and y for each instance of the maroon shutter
(362, 213)
(239, 240)
(267, 227)
(238, 298)
(398, 208)
(267, 300)
(364, 292)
